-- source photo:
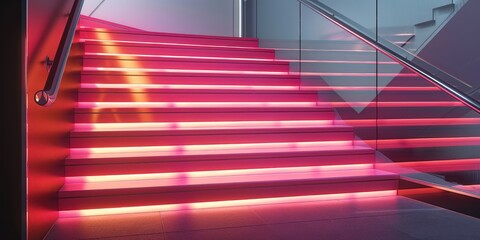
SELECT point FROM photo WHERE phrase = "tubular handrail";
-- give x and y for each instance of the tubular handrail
(395, 52)
(48, 94)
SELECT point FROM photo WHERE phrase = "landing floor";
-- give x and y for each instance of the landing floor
(387, 218)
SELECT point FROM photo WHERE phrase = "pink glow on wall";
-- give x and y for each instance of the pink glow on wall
(230, 203)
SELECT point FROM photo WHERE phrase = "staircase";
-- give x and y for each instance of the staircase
(172, 121)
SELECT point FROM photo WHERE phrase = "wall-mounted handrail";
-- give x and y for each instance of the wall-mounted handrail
(407, 59)
(48, 94)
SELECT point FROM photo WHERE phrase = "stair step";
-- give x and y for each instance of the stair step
(209, 149)
(115, 106)
(184, 189)
(149, 86)
(419, 95)
(117, 77)
(194, 95)
(128, 115)
(177, 63)
(125, 36)
(167, 126)
(232, 104)
(328, 159)
(210, 136)
(156, 50)
(171, 119)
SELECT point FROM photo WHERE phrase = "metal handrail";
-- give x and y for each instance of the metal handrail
(388, 49)
(48, 94)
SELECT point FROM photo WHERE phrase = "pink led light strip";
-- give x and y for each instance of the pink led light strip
(211, 149)
(185, 86)
(426, 142)
(157, 70)
(164, 43)
(152, 126)
(412, 122)
(178, 57)
(131, 55)
(193, 104)
(229, 203)
(218, 173)
(218, 46)
(263, 104)
(247, 87)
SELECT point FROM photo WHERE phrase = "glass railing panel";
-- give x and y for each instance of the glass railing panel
(411, 23)
(453, 78)
(436, 35)
(343, 70)
(276, 24)
(426, 135)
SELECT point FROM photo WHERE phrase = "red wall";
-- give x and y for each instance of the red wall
(47, 127)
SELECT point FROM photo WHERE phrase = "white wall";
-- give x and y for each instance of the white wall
(207, 17)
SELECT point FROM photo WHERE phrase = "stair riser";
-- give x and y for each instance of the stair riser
(175, 165)
(396, 132)
(404, 82)
(393, 96)
(145, 49)
(172, 140)
(360, 67)
(205, 96)
(168, 38)
(190, 194)
(185, 64)
(418, 154)
(106, 116)
(190, 79)
(281, 153)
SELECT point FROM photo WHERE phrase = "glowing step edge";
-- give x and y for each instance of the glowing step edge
(158, 126)
(159, 70)
(194, 104)
(133, 56)
(411, 122)
(99, 105)
(113, 41)
(229, 203)
(217, 173)
(141, 86)
(160, 56)
(210, 149)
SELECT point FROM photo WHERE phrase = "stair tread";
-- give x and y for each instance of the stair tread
(194, 105)
(201, 157)
(179, 183)
(143, 32)
(213, 149)
(202, 89)
(183, 59)
(153, 45)
(140, 87)
(208, 132)
(191, 126)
